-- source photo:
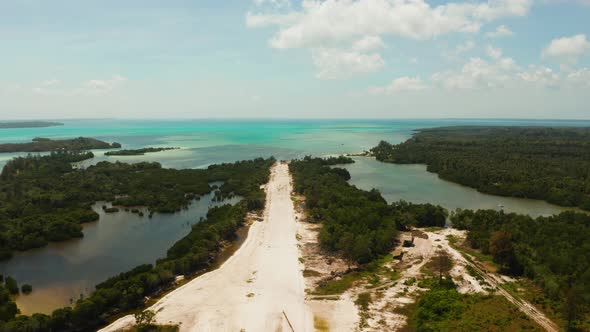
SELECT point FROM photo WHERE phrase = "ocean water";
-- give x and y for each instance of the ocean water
(116, 243)
(204, 142)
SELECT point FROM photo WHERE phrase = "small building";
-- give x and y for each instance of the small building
(407, 241)
(398, 253)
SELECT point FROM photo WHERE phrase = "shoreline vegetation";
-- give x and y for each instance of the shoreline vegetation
(546, 250)
(28, 124)
(56, 216)
(544, 163)
(46, 199)
(40, 144)
(357, 224)
(553, 252)
(137, 152)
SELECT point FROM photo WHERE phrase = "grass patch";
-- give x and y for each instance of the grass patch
(311, 273)
(153, 328)
(374, 274)
(529, 291)
(487, 260)
(340, 285)
(363, 300)
(320, 324)
(444, 309)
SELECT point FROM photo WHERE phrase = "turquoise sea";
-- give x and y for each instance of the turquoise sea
(204, 142)
(62, 272)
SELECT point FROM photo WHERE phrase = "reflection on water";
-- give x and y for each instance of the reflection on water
(61, 272)
(414, 184)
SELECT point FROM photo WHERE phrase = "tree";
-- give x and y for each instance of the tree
(26, 288)
(502, 249)
(144, 319)
(11, 285)
(442, 263)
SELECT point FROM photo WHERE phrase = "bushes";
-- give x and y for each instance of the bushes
(356, 222)
(553, 251)
(26, 289)
(11, 285)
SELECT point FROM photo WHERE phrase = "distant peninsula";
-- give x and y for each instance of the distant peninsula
(137, 152)
(28, 124)
(48, 145)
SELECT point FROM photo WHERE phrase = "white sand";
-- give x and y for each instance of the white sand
(255, 286)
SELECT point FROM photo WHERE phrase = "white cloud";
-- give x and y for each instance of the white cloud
(51, 82)
(368, 43)
(349, 29)
(568, 49)
(338, 64)
(274, 3)
(104, 85)
(580, 77)
(256, 20)
(502, 72)
(329, 22)
(501, 31)
(494, 53)
(400, 85)
(460, 49)
(541, 76)
(478, 74)
(92, 87)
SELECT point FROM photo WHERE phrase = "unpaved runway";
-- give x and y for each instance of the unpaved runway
(256, 288)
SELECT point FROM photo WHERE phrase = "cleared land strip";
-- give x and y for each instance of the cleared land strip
(257, 288)
(521, 304)
(496, 283)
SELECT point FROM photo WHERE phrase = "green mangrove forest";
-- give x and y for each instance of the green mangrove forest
(551, 164)
(136, 152)
(552, 251)
(45, 198)
(47, 145)
(358, 224)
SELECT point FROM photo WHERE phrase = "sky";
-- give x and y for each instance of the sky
(295, 59)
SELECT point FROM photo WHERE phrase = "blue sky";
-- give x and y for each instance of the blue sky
(281, 58)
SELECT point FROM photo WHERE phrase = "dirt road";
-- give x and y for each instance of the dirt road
(259, 288)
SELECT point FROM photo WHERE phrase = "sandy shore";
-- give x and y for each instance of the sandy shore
(257, 288)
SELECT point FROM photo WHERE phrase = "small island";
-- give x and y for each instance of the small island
(48, 145)
(28, 124)
(136, 152)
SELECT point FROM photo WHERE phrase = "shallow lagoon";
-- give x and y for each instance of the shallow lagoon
(61, 272)
(414, 184)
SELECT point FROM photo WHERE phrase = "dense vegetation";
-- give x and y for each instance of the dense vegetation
(553, 251)
(8, 309)
(150, 184)
(45, 198)
(136, 152)
(443, 308)
(47, 145)
(357, 223)
(28, 124)
(552, 164)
